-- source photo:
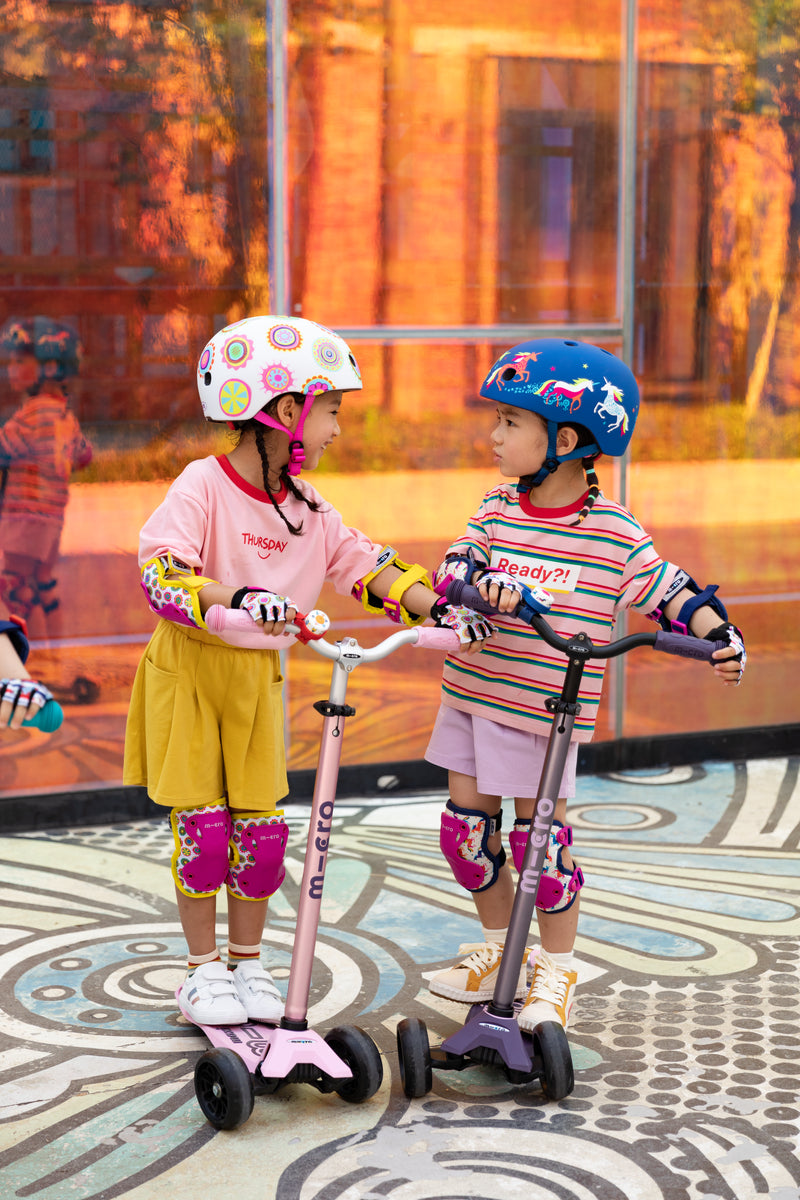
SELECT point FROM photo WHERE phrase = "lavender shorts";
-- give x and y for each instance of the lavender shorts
(503, 761)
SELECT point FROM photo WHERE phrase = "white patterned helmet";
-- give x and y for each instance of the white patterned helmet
(247, 364)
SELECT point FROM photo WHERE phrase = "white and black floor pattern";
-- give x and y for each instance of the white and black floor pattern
(685, 1037)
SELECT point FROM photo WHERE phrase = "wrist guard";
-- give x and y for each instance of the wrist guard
(700, 597)
(171, 589)
(17, 632)
(455, 566)
(392, 604)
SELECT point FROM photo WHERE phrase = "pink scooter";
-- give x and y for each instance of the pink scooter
(257, 1059)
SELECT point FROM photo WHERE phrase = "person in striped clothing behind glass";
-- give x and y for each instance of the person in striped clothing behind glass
(41, 444)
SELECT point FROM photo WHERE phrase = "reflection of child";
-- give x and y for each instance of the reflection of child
(560, 404)
(205, 728)
(40, 446)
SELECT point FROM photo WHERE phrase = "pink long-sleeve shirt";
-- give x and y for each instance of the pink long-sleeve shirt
(216, 522)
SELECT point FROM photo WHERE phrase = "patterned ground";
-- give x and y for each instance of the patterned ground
(686, 1037)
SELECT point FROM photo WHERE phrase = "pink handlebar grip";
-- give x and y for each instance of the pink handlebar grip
(221, 620)
(431, 637)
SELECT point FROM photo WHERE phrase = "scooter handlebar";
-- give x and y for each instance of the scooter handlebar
(48, 718)
(307, 627)
(683, 645)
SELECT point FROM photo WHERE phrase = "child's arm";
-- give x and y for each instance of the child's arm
(404, 593)
(709, 620)
(176, 593)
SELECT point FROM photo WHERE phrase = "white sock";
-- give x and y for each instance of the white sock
(495, 935)
(561, 960)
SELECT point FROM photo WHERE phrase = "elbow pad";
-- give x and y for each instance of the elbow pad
(392, 605)
(700, 597)
(171, 589)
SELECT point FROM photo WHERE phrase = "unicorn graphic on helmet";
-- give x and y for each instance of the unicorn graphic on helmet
(610, 406)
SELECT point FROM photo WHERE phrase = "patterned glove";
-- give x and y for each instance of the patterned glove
(22, 693)
(733, 637)
(262, 605)
(469, 625)
(502, 579)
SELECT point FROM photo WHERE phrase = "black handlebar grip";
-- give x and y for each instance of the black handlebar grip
(686, 647)
(459, 592)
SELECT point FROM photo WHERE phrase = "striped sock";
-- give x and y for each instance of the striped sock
(197, 960)
(240, 954)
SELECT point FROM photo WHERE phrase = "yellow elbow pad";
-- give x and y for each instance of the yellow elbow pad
(171, 590)
(392, 605)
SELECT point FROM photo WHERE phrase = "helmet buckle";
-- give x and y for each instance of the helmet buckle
(297, 456)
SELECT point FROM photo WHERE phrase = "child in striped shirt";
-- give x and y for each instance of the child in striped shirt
(40, 446)
(560, 404)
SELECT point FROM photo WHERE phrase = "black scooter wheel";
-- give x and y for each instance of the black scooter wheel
(551, 1045)
(414, 1057)
(357, 1049)
(224, 1088)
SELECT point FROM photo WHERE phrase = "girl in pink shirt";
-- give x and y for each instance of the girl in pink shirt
(205, 726)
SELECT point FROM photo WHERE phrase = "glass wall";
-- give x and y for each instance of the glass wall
(436, 185)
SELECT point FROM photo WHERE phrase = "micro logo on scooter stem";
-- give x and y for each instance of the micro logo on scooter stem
(529, 878)
(321, 844)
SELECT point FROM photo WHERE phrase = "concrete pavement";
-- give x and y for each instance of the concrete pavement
(685, 1038)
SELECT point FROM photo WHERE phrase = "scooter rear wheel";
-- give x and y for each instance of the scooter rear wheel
(357, 1049)
(414, 1057)
(551, 1045)
(224, 1088)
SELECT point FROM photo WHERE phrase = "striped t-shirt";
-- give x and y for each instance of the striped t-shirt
(40, 446)
(593, 571)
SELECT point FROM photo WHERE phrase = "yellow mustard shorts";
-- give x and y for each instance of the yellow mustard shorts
(206, 723)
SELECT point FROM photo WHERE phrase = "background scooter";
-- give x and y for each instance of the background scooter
(491, 1035)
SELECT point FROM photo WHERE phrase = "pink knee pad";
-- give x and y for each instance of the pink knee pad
(558, 886)
(463, 839)
(200, 859)
(258, 848)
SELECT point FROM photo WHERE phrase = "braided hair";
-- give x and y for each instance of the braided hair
(594, 488)
(260, 436)
(584, 439)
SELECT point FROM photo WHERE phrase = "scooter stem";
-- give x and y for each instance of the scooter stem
(316, 857)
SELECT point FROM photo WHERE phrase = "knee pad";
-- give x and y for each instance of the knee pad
(558, 885)
(258, 847)
(200, 859)
(463, 838)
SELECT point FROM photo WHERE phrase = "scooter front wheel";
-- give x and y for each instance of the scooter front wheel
(224, 1088)
(414, 1057)
(551, 1045)
(358, 1051)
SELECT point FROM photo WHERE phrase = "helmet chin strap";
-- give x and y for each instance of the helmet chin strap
(297, 454)
(552, 460)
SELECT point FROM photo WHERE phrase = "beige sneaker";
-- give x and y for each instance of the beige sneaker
(551, 994)
(473, 979)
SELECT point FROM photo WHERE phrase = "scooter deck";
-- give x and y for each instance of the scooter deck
(250, 1041)
(288, 1049)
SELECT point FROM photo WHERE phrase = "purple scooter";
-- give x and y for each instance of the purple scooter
(491, 1035)
(257, 1059)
